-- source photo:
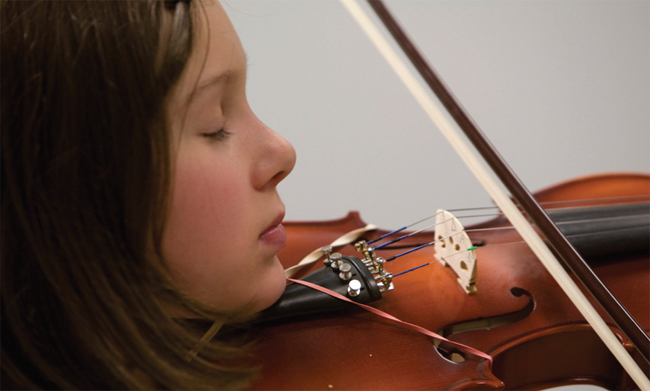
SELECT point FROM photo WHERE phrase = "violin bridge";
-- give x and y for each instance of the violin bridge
(454, 249)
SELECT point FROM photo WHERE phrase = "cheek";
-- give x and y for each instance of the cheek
(207, 208)
(205, 201)
(211, 238)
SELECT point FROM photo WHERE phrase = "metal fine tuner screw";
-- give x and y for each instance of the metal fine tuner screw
(327, 250)
(336, 260)
(345, 271)
(354, 288)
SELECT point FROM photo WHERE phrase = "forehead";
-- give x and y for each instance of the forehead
(216, 53)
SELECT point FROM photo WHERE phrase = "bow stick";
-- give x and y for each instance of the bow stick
(571, 258)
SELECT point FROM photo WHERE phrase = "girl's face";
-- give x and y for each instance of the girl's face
(223, 232)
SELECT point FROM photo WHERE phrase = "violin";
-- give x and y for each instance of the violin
(518, 315)
(352, 365)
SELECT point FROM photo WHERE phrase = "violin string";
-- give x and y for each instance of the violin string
(412, 250)
(565, 202)
(475, 208)
(381, 246)
(459, 216)
(411, 269)
(416, 232)
(510, 227)
(403, 228)
(479, 230)
(566, 222)
(492, 229)
(384, 236)
(406, 236)
(428, 263)
(452, 255)
(599, 219)
(560, 223)
(488, 229)
(462, 251)
(521, 241)
(422, 246)
(503, 244)
(455, 211)
(621, 198)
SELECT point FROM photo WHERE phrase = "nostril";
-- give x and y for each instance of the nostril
(277, 178)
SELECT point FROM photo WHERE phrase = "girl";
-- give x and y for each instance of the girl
(138, 189)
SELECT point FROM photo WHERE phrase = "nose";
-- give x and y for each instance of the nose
(278, 157)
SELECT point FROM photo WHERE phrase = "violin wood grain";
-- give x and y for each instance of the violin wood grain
(553, 345)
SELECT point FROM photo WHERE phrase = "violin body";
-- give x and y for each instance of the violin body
(519, 315)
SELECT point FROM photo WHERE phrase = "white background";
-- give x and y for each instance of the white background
(561, 88)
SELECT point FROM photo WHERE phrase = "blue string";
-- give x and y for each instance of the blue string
(391, 242)
(410, 270)
(388, 234)
(410, 251)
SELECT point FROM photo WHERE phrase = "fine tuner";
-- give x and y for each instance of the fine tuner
(364, 279)
(360, 280)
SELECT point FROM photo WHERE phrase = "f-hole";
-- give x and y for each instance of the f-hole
(484, 324)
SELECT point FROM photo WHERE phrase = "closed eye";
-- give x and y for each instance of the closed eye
(219, 135)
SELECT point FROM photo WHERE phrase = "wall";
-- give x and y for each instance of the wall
(560, 88)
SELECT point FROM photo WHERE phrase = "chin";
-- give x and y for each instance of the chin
(276, 283)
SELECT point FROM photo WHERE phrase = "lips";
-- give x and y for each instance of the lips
(275, 235)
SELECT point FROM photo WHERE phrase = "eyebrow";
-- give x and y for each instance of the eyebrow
(224, 77)
(211, 82)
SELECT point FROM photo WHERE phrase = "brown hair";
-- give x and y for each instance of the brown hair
(85, 182)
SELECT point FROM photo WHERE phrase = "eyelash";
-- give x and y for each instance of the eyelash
(220, 135)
